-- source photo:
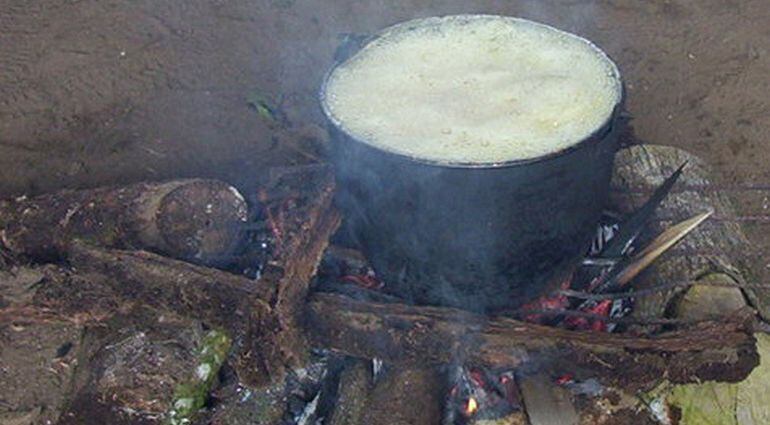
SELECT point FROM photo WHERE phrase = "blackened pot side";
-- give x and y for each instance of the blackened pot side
(484, 239)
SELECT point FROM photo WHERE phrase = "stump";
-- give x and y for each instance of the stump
(718, 248)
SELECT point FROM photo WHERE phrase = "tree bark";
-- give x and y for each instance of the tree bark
(195, 220)
(217, 298)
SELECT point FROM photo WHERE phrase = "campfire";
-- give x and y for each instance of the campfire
(298, 330)
(446, 267)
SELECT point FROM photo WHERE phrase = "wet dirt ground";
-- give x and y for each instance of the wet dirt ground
(96, 92)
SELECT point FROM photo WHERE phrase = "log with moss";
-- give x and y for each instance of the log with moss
(145, 367)
(196, 220)
(260, 315)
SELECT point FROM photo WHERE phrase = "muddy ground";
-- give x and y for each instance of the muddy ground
(105, 91)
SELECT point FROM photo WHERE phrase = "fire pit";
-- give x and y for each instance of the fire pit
(377, 359)
(192, 302)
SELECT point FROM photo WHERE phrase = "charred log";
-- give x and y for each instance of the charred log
(405, 334)
(355, 385)
(298, 201)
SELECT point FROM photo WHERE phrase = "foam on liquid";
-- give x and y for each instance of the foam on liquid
(473, 89)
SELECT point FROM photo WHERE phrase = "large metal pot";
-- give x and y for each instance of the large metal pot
(480, 237)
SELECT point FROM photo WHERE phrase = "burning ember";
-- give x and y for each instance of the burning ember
(610, 263)
(471, 407)
(478, 393)
(590, 315)
(368, 280)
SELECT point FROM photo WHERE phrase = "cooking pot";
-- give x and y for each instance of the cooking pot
(483, 237)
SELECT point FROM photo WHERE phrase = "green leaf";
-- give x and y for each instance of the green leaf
(710, 403)
(715, 403)
(262, 104)
(754, 393)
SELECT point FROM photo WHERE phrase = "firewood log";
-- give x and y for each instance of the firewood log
(195, 220)
(217, 298)
(404, 334)
(353, 394)
(546, 402)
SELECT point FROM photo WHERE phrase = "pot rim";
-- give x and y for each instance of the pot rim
(598, 133)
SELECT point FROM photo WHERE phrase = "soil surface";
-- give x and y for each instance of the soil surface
(105, 91)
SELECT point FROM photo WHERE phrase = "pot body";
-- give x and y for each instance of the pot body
(479, 238)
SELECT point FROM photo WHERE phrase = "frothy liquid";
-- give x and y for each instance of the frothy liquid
(473, 89)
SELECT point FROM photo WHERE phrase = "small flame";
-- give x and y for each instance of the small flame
(472, 406)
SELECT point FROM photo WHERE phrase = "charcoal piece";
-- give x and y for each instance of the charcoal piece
(482, 396)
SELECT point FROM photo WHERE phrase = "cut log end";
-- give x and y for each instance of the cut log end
(202, 221)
